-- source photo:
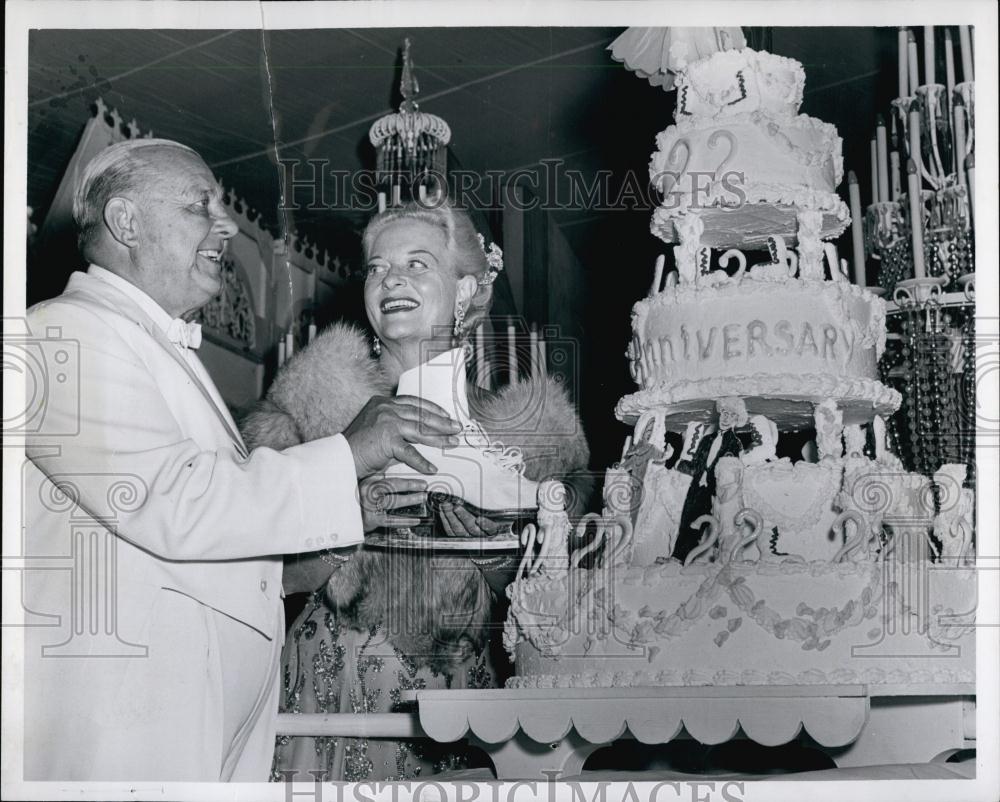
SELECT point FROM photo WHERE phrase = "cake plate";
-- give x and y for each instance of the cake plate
(546, 734)
(402, 539)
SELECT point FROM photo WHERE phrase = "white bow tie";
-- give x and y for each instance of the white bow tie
(184, 334)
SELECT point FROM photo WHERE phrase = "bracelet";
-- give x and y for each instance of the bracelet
(494, 562)
(330, 557)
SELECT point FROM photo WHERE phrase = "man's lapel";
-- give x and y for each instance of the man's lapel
(158, 334)
(119, 302)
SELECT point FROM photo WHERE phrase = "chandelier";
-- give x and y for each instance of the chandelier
(410, 145)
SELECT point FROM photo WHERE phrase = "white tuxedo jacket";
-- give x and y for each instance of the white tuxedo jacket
(140, 451)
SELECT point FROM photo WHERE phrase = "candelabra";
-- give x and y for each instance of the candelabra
(923, 241)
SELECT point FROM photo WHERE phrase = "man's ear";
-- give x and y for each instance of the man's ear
(121, 218)
(467, 288)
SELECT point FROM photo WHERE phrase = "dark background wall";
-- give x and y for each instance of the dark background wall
(515, 98)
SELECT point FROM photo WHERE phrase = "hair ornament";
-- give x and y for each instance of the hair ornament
(494, 258)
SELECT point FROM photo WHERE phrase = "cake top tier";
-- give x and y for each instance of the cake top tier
(734, 82)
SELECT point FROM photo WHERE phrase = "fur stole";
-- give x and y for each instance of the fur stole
(435, 608)
(318, 392)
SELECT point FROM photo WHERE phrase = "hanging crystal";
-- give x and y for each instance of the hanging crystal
(410, 145)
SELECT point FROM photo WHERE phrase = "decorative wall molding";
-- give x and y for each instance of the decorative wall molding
(269, 276)
(231, 312)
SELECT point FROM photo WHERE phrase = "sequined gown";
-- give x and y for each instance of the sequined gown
(329, 666)
(379, 622)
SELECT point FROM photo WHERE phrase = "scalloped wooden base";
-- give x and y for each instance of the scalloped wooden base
(547, 734)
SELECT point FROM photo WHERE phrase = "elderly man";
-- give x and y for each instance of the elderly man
(155, 655)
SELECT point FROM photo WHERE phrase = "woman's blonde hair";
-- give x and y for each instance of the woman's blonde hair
(468, 258)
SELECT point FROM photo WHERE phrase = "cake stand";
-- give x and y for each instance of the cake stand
(547, 734)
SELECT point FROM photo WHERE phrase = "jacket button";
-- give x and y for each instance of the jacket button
(263, 586)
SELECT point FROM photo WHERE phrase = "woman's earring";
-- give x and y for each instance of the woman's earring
(459, 320)
(377, 346)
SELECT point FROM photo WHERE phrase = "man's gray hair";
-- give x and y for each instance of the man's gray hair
(111, 173)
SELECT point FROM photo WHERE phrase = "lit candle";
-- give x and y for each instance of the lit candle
(830, 252)
(874, 154)
(916, 219)
(911, 61)
(958, 115)
(894, 171)
(929, 54)
(289, 345)
(883, 160)
(397, 195)
(857, 238)
(949, 66)
(904, 86)
(878, 430)
(422, 192)
(965, 45)
(381, 202)
(312, 332)
(949, 93)
(657, 275)
(511, 350)
(913, 129)
(281, 353)
(533, 348)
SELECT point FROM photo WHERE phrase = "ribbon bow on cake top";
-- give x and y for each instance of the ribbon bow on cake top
(658, 54)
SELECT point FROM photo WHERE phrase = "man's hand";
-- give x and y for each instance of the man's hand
(385, 429)
(381, 494)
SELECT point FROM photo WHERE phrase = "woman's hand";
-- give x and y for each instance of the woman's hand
(457, 521)
(380, 495)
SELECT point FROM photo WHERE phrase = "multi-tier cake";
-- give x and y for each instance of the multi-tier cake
(742, 155)
(756, 529)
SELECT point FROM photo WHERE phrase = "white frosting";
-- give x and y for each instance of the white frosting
(807, 340)
(768, 210)
(743, 624)
(836, 676)
(801, 152)
(798, 500)
(786, 398)
(657, 521)
(742, 157)
(735, 82)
